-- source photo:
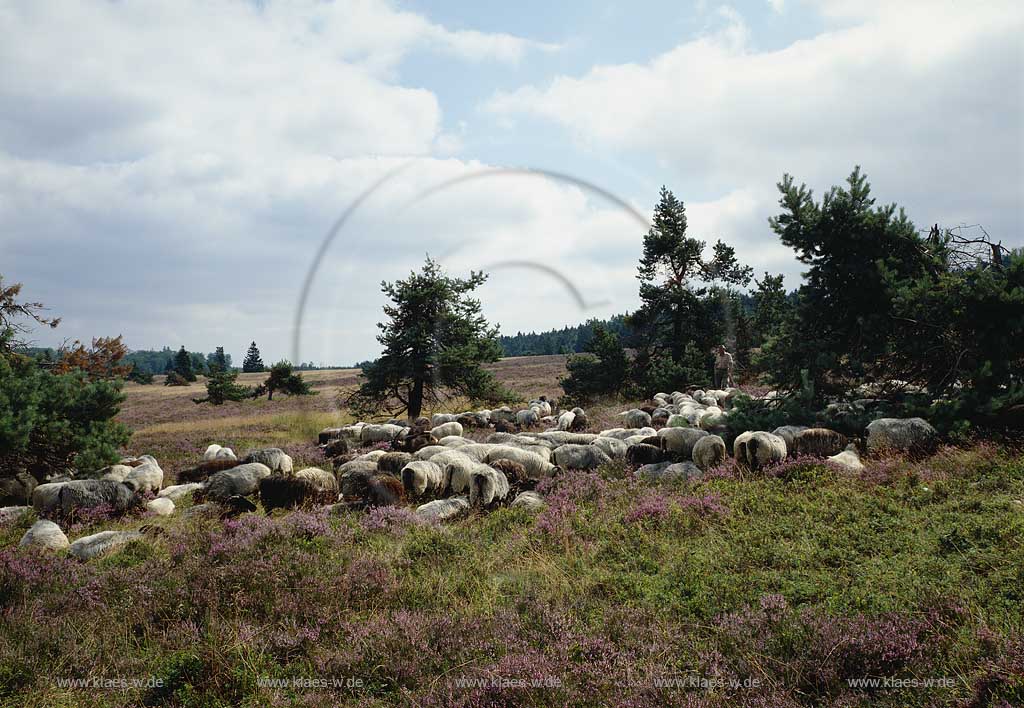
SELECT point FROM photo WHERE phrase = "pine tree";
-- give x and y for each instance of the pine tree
(217, 361)
(675, 324)
(283, 379)
(183, 365)
(221, 387)
(253, 363)
(770, 307)
(434, 342)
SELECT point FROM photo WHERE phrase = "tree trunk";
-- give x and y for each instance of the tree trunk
(416, 398)
(677, 334)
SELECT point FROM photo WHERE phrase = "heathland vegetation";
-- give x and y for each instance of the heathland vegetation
(613, 530)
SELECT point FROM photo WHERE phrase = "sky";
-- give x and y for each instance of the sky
(171, 170)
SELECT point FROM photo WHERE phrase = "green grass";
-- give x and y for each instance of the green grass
(590, 593)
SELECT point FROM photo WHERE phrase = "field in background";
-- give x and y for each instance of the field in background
(169, 426)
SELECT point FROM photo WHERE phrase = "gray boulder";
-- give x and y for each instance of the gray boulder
(911, 435)
(238, 481)
(98, 543)
(46, 535)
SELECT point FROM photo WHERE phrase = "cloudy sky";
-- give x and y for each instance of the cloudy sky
(170, 168)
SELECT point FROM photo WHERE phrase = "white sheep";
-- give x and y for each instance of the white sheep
(211, 452)
(177, 492)
(487, 486)
(536, 466)
(461, 476)
(423, 477)
(708, 452)
(680, 441)
(560, 437)
(372, 456)
(847, 461)
(530, 501)
(456, 467)
(527, 417)
(454, 441)
(116, 473)
(322, 480)
(613, 447)
(756, 449)
(442, 418)
(668, 471)
(425, 453)
(444, 509)
(147, 477)
(225, 453)
(44, 534)
(713, 417)
(543, 407)
(788, 432)
(446, 429)
(636, 418)
(565, 420)
(46, 497)
(273, 457)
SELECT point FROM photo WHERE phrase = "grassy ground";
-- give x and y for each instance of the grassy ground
(773, 589)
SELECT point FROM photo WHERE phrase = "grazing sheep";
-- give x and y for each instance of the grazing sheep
(146, 478)
(379, 433)
(422, 478)
(542, 406)
(679, 442)
(177, 492)
(285, 492)
(472, 420)
(272, 457)
(354, 482)
(503, 426)
(455, 466)
(444, 509)
(328, 435)
(911, 435)
(91, 493)
(17, 489)
(526, 418)
(425, 453)
(787, 433)
(211, 452)
(580, 457)
(384, 490)
(46, 497)
(91, 546)
(644, 454)
(417, 442)
(393, 462)
(116, 473)
(756, 449)
(818, 442)
(336, 448)
(461, 477)
(713, 417)
(161, 506)
(446, 429)
(442, 418)
(454, 441)
(202, 472)
(239, 481)
(668, 471)
(46, 535)
(617, 433)
(536, 466)
(560, 437)
(516, 475)
(636, 418)
(529, 501)
(580, 422)
(655, 440)
(660, 417)
(847, 461)
(356, 466)
(615, 449)
(677, 420)
(226, 453)
(709, 451)
(487, 486)
(565, 420)
(372, 456)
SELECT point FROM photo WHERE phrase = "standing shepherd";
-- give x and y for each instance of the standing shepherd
(723, 368)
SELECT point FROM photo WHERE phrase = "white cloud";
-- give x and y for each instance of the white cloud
(926, 97)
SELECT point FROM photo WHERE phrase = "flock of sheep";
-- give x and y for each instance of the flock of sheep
(431, 463)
